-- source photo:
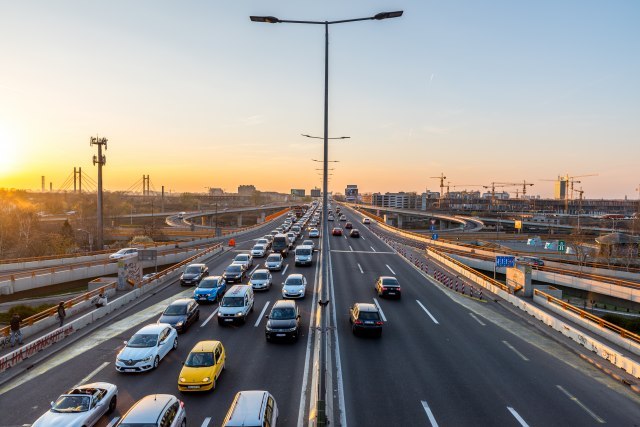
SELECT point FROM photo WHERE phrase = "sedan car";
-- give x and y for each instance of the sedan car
(348, 226)
(163, 410)
(258, 251)
(146, 348)
(81, 406)
(365, 317)
(354, 233)
(388, 286)
(343, 217)
(308, 243)
(203, 366)
(210, 289)
(336, 231)
(274, 262)
(181, 314)
(244, 259)
(123, 253)
(294, 286)
(265, 242)
(234, 273)
(366, 221)
(193, 274)
(283, 321)
(261, 280)
(314, 232)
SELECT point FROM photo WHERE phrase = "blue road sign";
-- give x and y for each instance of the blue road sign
(432, 227)
(505, 261)
(434, 236)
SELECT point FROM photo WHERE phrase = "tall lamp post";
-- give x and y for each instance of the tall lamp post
(324, 298)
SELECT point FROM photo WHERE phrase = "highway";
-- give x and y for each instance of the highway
(442, 359)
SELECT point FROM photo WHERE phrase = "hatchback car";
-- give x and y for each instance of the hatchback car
(343, 217)
(308, 243)
(274, 262)
(181, 314)
(348, 226)
(244, 259)
(366, 221)
(354, 233)
(388, 286)
(210, 289)
(365, 317)
(261, 280)
(252, 408)
(294, 286)
(314, 232)
(155, 410)
(234, 273)
(283, 321)
(203, 366)
(193, 274)
(123, 253)
(258, 251)
(337, 231)
(146, 348)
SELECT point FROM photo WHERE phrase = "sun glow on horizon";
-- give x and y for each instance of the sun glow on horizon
(9, 152)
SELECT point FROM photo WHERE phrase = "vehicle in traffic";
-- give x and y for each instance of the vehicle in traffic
(366, 221)
(193, 274)
(283, 322)
(268, 237)
(388, 286)
(365, 317)
(234, 273)
(330, 217)
(532, 260)
(236, 305)
(296, 229)
(308, 242)
(261, 279)
(181, 314)
(146, 348)
(292, 238)
(314, 232)
(336, 231)
(155, 410)
(203, 366)
(354, 233)
(258, 251)
(281, 245)
(343, 217)
(210, 289)
(274, 262)
(252, 408)
(123, 253)
(303, 255)
(348, 226)
(81, 406)
(244, 259)
(294, 286)
(264, 242)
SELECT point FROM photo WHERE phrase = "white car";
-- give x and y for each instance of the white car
(366, 221)
(146, 348)
(308, 243)
(294, 286)
(266, 242)
(314, 232)
(244, 259)
(258, 251)
(123, 253)
(292, 238)
(274, 262)
(163, 410)
(261, 279)
(81, 406)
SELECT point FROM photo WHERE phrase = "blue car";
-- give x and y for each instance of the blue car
(210, 289)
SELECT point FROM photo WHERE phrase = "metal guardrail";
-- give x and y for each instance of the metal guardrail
(624, 333)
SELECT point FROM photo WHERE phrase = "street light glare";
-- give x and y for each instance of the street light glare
(387, 15)
(267, 19)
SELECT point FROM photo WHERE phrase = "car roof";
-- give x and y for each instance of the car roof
(148, 409)
(261, 270)
(196, 265)
(248, 406)
(295, 276)
(155, 328)
(364, 306)
(205, 346)
(284, 303)
(211, 278)
(237, 290)
(181, 301)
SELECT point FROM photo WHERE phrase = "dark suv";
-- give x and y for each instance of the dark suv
(284, 321)
(388, 286)
(365, 317)
(193, 274)
(234, 273)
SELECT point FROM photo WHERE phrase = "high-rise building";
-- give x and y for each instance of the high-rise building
(316, 192)
(246, 190)
(400, 200)
(298, 192)
(561, 188)
(351, 193)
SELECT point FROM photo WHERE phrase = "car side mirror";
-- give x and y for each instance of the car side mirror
(182, 362)
(125, 342)
(52, 403)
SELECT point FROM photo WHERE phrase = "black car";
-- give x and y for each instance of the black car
(365, 318)
(193, 274)
(181, 314)
(354, 233)
(388, 286)
(284, 321)
(234, 273)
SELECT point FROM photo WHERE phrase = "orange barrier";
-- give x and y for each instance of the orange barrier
(276, 215)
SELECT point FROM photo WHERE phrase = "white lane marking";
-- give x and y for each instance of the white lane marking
(428, 313)
(350, 248)
(360, 269)
(254, 269)
(362, 237)
(261, 314)
(363, 252)
(522, 356)
(375, 301)
(206, 422)
(517, 416)
(587, 410)
(88, 377)
(432, 419)
(113, 422)
(374, 249)
(285, 269)
(477, 320)
(344, 235)
(392, 272)
(210, 317)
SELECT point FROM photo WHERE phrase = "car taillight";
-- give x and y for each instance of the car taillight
(358, 322)
(181, 404)
(384, 289)
(379, 323)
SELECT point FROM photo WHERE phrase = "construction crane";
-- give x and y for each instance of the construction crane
(493, 187)
(570, 180)
(580, 193)
(524, 186)
(441, 178)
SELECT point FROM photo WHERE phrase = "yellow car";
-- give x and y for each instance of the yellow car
(202, 367)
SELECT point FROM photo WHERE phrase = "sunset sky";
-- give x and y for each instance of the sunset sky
(195, 95)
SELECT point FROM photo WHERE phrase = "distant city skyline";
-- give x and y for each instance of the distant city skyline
(195, 95)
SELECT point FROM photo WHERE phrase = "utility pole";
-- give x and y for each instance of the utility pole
(77, 180)
(100, 160)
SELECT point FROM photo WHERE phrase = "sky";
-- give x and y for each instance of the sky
(196, 95)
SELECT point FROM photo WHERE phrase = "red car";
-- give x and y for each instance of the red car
(336, 231)
(348, 225)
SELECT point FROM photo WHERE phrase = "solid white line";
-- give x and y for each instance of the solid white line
(362, 237)
(88, 377)
(113, 422)
(261, 314)
(206, 422)
(363, 252)
(522, 356)
(375, 301)
(209, 318)
(587, 410)
(393, 272)
(477, 320)
(350, 248)
(360, 269)
(254, 269)
(285, 269)
(517, 417)
(432, 419)
(372, 248)
(427, 311)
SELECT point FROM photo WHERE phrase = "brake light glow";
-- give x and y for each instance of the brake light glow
(379, 323)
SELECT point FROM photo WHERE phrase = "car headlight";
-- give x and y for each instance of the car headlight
(183, 380)
(179, 323)
(146, 359)
(238, 314)
(206, 379)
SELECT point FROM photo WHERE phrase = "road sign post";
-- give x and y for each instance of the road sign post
(562, 246)
(503, 261)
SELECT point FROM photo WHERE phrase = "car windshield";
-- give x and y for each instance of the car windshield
(71, 404)
(242, 258)
(390, 282)
(293, 281)
(259, 276)
(192, 270)
(234, 269)
(303, 252)
(232, 301)
(308, 242)
(369, 315)
(143, 340)
(258, 248)
(208, 284)
(176, 310)
(273, 258)
(283, 313)
(199, 360)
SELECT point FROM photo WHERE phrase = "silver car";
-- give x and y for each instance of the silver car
(81, 406)
(161, 410)
(274, 262)
(244, 259)
(258, 251)
(295, 286)
(261, 280)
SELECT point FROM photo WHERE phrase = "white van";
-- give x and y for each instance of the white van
(252, 408)
(236, 305)
(304, 255)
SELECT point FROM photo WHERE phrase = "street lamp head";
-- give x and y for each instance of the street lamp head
(387, 15)
(267, 19)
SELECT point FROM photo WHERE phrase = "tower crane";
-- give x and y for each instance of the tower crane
(441, 178)
(570, 180)
(524, 186)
